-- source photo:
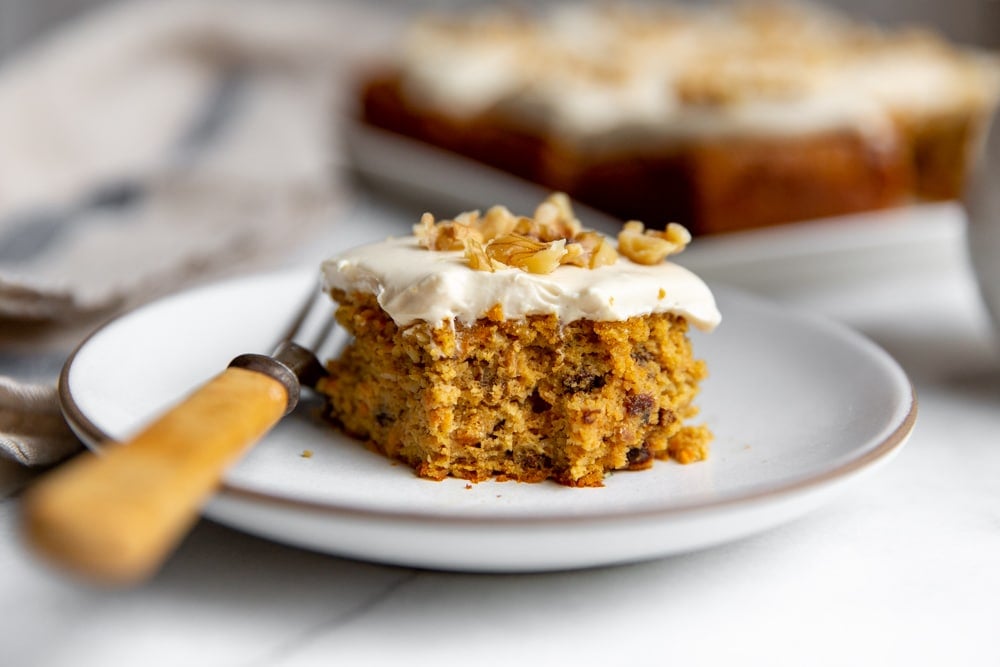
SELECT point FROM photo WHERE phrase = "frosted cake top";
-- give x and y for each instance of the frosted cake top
(461, 269)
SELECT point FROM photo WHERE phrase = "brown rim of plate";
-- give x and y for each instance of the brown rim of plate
(90, 433)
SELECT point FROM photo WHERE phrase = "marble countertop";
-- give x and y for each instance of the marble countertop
(901, 570)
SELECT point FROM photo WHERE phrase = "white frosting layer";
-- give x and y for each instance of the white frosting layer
(412, 284)
(582, 72)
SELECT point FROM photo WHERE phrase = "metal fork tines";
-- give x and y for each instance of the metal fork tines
(292, 363)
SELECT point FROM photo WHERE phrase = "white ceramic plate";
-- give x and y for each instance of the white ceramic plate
(800, 407)
(772, 261)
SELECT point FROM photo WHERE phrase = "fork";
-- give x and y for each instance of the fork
(114, 516)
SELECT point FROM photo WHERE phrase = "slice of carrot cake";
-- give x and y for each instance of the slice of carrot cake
(521, 348)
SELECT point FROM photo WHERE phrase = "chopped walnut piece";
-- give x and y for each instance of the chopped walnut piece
(596, 250)
(605, 255)
(539, 244)
(467, 218)
(497, 222)
(677, 233)
(527, 227)
(648, 246)
(555, 220)
(576, 255)
(546, 261)
(454, 235)
(547, 215)
(425, 231)
(476, 255)
(562, 202)
(447, 234)
(526, 253)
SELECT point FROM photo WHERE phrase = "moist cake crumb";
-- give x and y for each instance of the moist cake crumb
(550, 384)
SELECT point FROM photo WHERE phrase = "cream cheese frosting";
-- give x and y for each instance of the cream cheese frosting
(412, 283)
(582, 71)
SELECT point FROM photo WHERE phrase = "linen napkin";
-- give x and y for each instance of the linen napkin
(153, 145)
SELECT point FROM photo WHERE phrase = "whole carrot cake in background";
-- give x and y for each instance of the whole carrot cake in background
(718, 117)
(521, 348)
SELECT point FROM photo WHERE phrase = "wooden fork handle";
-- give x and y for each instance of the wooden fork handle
(114, 517)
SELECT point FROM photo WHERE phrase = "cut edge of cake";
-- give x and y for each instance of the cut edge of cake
(456, 369)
